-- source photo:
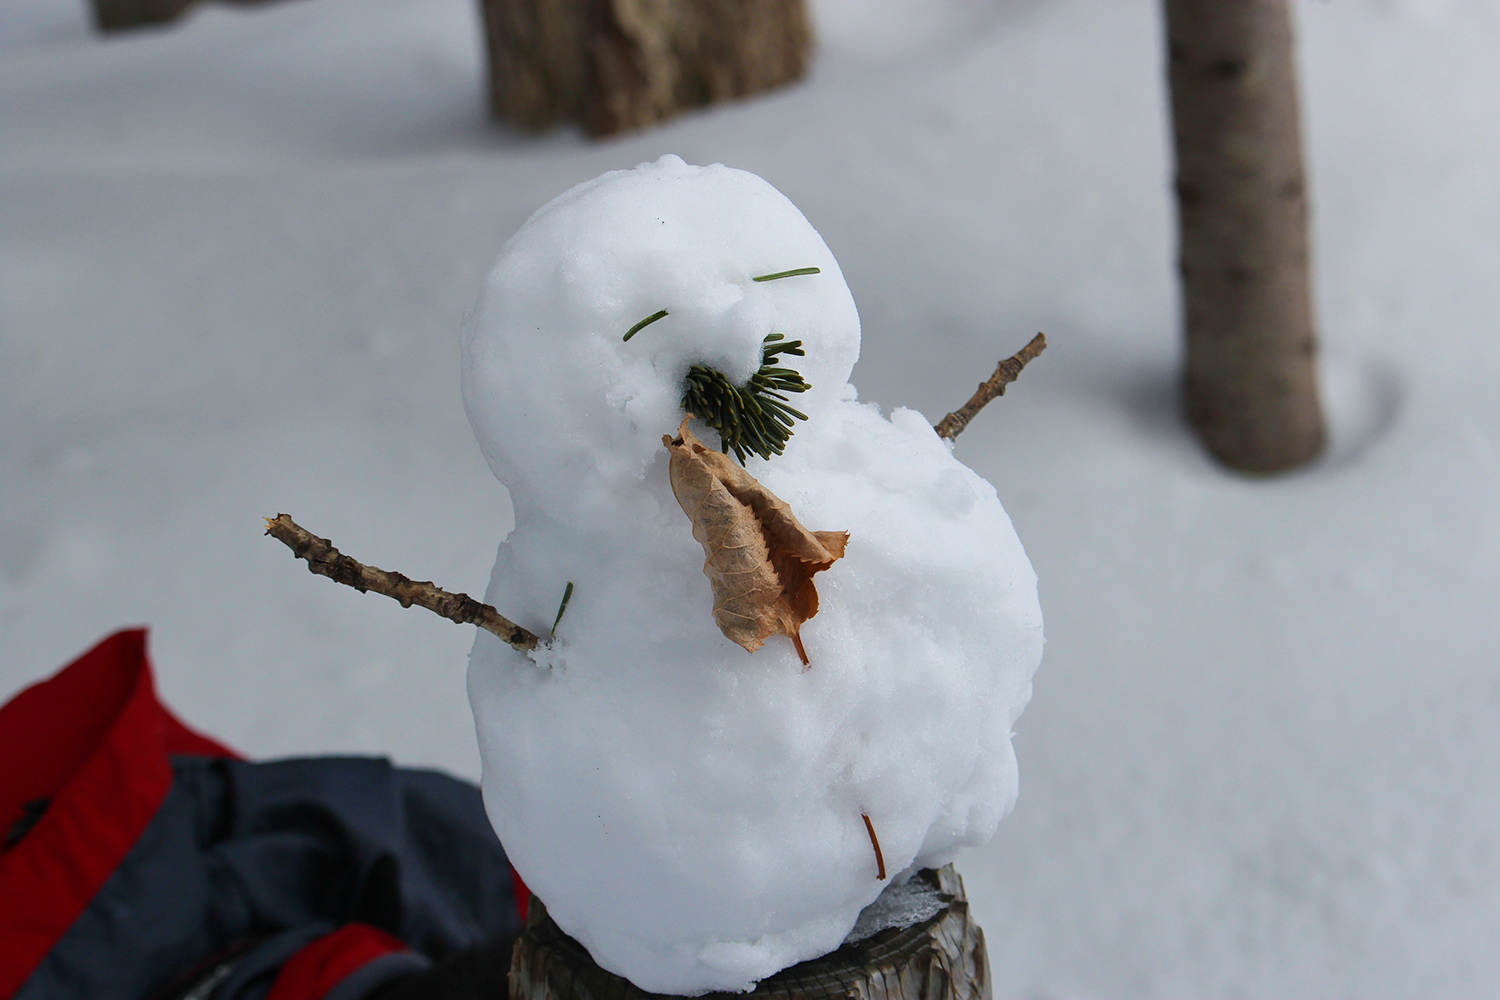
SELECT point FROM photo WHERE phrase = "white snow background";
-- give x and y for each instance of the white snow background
(1263, 756)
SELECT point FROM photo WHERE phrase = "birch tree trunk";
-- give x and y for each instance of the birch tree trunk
(1251, 378)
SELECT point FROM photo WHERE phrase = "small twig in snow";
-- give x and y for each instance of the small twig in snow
(875, 843)
(953, 424)
(325, 560)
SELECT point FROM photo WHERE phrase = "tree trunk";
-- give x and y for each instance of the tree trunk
(1251, 379)
(939, 957)
(617, 65)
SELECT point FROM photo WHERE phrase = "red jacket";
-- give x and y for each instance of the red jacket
(141, 859)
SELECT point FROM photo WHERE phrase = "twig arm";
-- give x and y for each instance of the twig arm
(1006, 372)
(325, 560)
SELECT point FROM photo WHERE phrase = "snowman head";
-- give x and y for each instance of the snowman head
(568, 410)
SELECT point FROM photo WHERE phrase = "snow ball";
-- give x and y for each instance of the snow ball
(551, 384)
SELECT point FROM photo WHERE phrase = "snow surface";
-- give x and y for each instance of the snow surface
(692, 813)
(1262, 755)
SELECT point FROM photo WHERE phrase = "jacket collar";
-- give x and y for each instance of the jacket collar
(88, 750)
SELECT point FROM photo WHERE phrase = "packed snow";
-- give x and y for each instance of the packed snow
(236, 254)
(690, 812)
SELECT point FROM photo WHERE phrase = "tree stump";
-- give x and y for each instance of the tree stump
(122, 15)
(617, 65)
(939, 956)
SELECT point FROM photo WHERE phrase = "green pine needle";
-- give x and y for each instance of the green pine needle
(754, 417)
(644, 323)
(788, 274)
(567, 596)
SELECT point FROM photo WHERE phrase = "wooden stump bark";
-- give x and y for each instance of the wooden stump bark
(617, 65)
(939, 957)
(1251, 379)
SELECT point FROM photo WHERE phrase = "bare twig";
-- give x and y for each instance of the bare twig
(325, 560)
(953, 424)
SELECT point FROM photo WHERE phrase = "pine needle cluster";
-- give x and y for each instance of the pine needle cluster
(754, 417)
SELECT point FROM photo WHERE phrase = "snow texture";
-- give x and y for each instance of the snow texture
(690, 812)
(235, 254)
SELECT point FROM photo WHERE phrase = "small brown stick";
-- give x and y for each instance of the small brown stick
(875, 843)
(953, 424)
(325, 560)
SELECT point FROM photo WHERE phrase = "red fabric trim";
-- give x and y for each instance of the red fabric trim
(327, 961)
(522, 892)
(95, 741)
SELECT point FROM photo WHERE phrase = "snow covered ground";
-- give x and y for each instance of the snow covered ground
(1263, 758)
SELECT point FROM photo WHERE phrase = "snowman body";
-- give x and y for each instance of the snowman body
(690, 812)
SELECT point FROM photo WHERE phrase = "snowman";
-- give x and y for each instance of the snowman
(698, 815)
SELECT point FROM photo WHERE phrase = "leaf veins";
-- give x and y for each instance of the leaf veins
(760, 560)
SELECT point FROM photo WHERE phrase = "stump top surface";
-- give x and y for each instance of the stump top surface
(941, 957)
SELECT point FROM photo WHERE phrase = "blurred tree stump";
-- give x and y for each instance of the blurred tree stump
(617, 65)
(938, 957)
(122, 15)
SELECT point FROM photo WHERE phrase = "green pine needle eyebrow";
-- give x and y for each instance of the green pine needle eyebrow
(649, 320)
(787, 274)
(567, 596)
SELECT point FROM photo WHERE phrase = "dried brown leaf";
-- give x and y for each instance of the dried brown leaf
(760, 559)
